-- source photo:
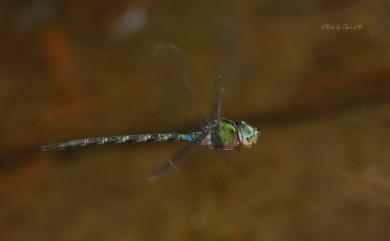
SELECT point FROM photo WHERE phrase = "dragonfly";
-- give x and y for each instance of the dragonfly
(219, 133)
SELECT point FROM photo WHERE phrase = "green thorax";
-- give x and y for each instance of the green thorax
(227, 131)
(222, 134)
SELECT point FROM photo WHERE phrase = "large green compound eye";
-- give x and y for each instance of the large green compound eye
(247, 132)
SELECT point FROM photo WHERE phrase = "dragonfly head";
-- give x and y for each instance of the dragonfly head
(248, 134)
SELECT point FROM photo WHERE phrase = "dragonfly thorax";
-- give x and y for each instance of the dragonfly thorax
(227, 134)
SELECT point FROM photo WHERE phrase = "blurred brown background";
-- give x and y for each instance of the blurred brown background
(321, 96)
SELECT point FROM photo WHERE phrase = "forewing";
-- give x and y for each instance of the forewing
(227, 52)
(169, 66)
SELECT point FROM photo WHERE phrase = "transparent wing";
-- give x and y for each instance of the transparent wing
(223, 156)
(227, 52)
(174, 163)
(170, 66)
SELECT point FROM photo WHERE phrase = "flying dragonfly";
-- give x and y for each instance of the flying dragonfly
(219, 133)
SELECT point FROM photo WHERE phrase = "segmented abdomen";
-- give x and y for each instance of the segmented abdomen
(155, 137)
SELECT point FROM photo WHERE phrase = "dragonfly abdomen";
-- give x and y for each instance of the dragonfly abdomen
(154, 137)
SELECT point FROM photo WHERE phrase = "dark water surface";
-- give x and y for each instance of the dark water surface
(313, 75)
